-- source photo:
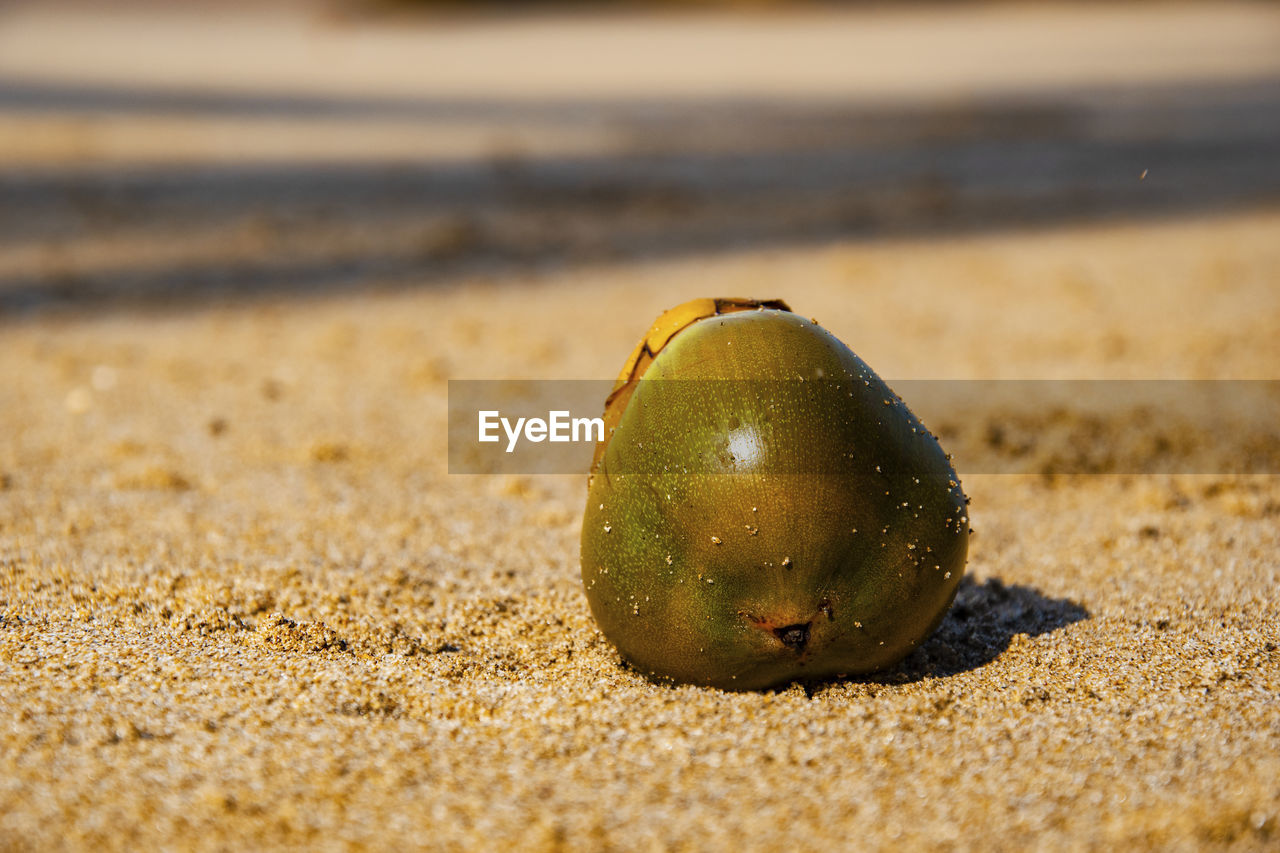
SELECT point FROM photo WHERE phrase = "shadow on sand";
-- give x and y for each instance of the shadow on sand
(979, 627)
(692, 177)
(982, 621)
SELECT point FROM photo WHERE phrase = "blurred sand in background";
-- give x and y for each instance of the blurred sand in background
(241, 251)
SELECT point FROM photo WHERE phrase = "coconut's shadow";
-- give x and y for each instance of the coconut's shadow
(979, 627)
(982, 621)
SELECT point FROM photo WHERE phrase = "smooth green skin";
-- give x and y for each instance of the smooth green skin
(680, 606)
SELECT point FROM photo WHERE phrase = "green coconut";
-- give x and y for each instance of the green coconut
(763, 508)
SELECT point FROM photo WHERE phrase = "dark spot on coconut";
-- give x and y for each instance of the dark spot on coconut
(794, 637)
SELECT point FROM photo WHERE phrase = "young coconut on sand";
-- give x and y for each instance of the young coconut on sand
(763, 508)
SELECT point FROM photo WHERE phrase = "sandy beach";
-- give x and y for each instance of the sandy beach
(243, 604)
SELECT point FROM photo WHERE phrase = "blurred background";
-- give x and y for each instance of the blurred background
(163, 154)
